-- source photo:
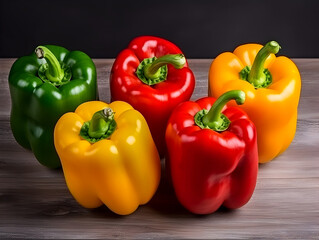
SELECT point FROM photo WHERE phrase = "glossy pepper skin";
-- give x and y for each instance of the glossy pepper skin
(273, 109)
(155, 102)
(210, 168)
(37, 105)
(121, 171)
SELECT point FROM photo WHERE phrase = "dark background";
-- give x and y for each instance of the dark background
(202, 29)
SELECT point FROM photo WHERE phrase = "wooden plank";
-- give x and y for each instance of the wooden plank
(35, 202)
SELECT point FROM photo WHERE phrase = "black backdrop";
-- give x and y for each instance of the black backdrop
(202, 29)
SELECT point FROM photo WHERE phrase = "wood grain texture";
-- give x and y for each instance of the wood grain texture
(36, 204)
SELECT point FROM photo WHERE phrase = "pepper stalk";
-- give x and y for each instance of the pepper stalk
(214, 119)
(154, 70)
(101, 126)
(52, 71)
(257, 74)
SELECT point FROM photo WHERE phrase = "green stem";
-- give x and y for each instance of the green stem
(152, 70)
(257, 76)
(213, 119)
(54, 73)
(100, 122)
(101, 126)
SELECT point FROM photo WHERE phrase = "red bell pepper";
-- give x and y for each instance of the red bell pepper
(153, 76)
(212, 155)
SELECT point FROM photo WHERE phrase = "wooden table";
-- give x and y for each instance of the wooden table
(35, 202)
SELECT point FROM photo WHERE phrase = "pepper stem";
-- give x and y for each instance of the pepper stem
(100, 122)
(154, 70)
(101, 126)
(214, 119)
(257, 76)
(54, 72)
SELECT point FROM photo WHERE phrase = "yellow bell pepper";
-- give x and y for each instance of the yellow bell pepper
(108, 156)
(272, 86)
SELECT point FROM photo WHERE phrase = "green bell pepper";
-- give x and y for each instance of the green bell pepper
(44, 86)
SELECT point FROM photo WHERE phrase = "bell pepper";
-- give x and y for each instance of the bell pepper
(272, 86)
(212, 153)
(153, 76)
(44, 86)
(108, 156)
